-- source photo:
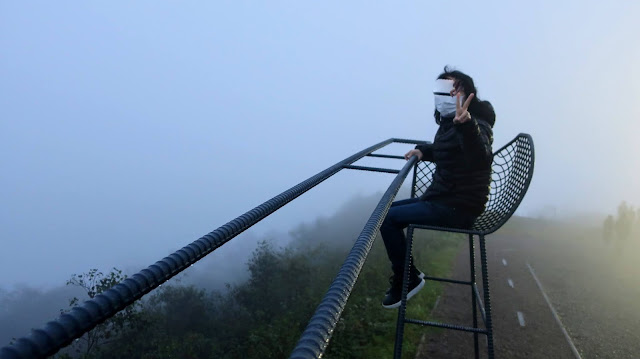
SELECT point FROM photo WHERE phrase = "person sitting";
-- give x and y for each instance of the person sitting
(459, 191)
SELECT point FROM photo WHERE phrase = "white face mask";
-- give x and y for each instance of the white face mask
(444, 102)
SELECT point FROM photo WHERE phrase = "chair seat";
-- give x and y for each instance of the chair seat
(512, 170)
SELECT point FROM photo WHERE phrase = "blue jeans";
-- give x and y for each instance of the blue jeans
(414, 211)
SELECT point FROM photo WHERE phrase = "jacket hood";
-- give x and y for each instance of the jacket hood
(485, 111)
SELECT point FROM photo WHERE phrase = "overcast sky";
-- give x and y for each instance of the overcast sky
(129, 129)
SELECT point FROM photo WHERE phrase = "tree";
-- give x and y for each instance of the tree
(94, 283)
(624, 222)
(608, 229)
(637, 225)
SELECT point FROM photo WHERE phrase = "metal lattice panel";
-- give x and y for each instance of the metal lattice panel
(422, 176)
(512, 171)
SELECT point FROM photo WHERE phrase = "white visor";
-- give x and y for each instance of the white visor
(443, 87)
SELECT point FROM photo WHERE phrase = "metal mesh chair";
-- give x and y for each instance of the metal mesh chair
(512, 173)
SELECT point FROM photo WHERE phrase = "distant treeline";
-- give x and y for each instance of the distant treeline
(624, 227)
(265, 316)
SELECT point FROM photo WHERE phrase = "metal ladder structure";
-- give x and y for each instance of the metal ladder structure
(57, 334)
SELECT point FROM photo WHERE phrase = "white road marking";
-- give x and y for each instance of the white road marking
(499, 252)
(504, 262)
(435, 305)
(555, 315)
(510, 282)
(521, 318)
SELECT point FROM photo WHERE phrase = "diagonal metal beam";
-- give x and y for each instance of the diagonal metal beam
(58, 333)
(316, 336)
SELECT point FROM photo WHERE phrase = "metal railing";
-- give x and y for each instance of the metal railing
(315, 337)
(59, 333)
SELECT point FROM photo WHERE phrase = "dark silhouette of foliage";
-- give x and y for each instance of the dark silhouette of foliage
(624, 229)
(264, 316)
(624, 221)
(94, 283)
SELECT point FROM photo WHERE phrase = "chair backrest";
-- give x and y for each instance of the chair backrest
(512, 173)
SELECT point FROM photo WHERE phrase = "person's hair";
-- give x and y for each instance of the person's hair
(477, 107)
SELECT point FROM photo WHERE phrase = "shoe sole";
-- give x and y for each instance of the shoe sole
(413, 292)
(421, 276)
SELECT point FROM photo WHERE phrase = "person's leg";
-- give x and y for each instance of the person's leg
(396, 204)
(400, 216)
(404, 202)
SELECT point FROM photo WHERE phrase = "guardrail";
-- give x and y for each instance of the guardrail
(61, 332)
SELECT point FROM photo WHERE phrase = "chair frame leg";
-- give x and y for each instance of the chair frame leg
(397, 350)
(486, 306)
(487, 296)
(472, 279)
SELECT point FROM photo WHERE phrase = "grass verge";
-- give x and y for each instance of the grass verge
(366, 329)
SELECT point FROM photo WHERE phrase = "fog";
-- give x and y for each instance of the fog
(129, 130)
(26, 307)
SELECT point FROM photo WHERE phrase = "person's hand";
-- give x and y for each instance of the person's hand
(462, 115)
(412, 153)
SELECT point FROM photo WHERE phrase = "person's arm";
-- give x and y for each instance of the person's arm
(476, 138)
(424, 152)
(474, 133)
(427, 151)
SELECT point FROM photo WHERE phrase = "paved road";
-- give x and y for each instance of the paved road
(598, 306)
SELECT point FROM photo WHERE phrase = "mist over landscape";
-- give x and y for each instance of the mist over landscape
(237, 267)
(129, 130)
(29, 307)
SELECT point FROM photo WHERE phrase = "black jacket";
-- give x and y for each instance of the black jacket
(463, 156)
